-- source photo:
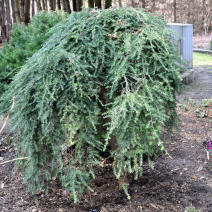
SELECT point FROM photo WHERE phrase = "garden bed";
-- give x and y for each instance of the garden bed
(176, 183)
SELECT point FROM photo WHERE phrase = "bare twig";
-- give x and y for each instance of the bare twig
(7, 118)
(9, 161)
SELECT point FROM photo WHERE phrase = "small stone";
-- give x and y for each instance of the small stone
(65, 193)
(1, 158)
(2, 185)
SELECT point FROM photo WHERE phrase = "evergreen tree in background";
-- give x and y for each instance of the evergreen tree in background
(24, 42)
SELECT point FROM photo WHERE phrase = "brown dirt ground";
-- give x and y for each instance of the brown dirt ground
(176, 183)
(180, 181)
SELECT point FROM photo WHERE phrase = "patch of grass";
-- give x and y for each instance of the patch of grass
(202, 59)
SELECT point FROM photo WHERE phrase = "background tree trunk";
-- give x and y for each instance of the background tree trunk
(8, 18)
(33, 8)
(175, 10)
(74, 5)
(133, 3)
(210, 23)
(58, 5)
(13, 11)
(98, 3)
(22, 6)
(66, 5)
(27, 11)
(91, 3)
(143, 3)
(120, 3)
(43, 4)
(3, 21)
(38, 5)
(77, 5)
(17, 8)
(108, 4)
(153, 6)
(52, 5)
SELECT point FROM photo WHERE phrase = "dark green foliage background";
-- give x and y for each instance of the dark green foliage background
(24, 42)
(104, 78)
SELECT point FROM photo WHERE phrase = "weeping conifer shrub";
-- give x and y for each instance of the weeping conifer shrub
(104, 81)
(24, 42)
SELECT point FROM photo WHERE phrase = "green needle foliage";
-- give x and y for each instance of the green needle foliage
(24, 42)
(104, 81)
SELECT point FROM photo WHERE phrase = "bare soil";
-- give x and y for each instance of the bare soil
(181, 181)
(176, 183)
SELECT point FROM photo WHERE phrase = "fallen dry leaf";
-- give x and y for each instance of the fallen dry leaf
(103, 209)
(153, 206)
(140, 209)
